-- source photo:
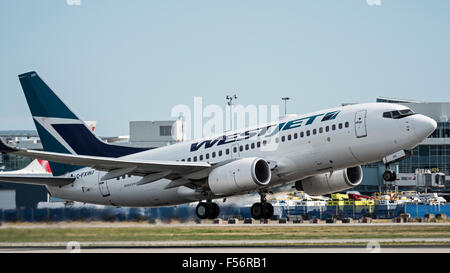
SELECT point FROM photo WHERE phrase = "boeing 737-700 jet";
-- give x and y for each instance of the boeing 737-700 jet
(321, 152)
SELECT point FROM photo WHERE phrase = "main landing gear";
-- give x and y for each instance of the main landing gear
(389, 175)
(263, 209)
(207, 210)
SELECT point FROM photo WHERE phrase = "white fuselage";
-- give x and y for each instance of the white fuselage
(358, 134)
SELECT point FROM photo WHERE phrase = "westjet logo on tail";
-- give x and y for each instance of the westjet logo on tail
(226, 139)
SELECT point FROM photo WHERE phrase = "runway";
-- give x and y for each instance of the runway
(374, 245)
(225, 238)
(192, 250)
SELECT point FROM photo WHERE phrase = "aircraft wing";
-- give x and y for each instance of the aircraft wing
(115, 167)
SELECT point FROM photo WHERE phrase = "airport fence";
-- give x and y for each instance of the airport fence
(187, 213)
(358, 212)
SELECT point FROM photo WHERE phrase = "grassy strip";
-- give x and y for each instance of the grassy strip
(55, 234)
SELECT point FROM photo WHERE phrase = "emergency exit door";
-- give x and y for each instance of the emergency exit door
(360, 123)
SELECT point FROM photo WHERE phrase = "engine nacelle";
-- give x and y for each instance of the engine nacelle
(246, 174)
(329, 183)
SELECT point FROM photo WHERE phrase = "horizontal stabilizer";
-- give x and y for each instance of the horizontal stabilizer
(42, 180)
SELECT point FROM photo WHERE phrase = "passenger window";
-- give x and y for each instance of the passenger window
(227, 151)
(234, 150)
(302, 134)
(320, 130)
(340, 125)
(289, 137)
(258, 144)
(241, 148)
(189, 159)
(295, 136)
(283, 138)
(183, 160)
(347, 124)
(314, 131)
(220, 153)
(327, 128)
(207, 156)
(333, 127)
(264, 142)
(307, 133)
(253, 146)
(195, 158)
(246, 147)
(201, 157)
(213, 154)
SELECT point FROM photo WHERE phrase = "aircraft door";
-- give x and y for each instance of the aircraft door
(360, 123)
(104, 188)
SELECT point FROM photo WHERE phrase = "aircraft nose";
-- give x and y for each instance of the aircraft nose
(423, 126)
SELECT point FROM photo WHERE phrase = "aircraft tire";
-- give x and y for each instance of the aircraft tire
(267, 210)
(389, 175)
(203, 210)
(257, 211)
(215, 210)
(394, 176)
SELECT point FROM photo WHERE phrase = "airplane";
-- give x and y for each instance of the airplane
(37, 166)
(319, 152)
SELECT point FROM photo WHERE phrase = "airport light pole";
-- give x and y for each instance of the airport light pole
(230, 103)
(285, 104)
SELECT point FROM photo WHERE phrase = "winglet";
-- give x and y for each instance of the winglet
(5, 148)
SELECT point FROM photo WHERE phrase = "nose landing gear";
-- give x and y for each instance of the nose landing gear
(389, 175)
(263, 209)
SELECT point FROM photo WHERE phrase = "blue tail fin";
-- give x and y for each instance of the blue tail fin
(60, 130)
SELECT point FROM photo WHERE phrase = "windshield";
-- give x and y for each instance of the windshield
(397, 114)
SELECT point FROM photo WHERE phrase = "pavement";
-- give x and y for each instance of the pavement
(237, 246)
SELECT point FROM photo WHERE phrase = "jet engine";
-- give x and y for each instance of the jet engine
(331, 182)
(246, 174)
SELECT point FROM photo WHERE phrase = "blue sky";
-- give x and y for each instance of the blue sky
(115, 61)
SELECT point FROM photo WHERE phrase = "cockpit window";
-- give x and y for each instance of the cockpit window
(398, 114)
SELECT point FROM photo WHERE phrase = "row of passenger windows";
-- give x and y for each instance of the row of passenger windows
(265, 142)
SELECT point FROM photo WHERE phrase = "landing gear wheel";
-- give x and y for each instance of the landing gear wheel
(215, 210)
(202, 210)
(267, 210)
(207, 210)
(262, 211)
(389, 175)
(257, 211)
